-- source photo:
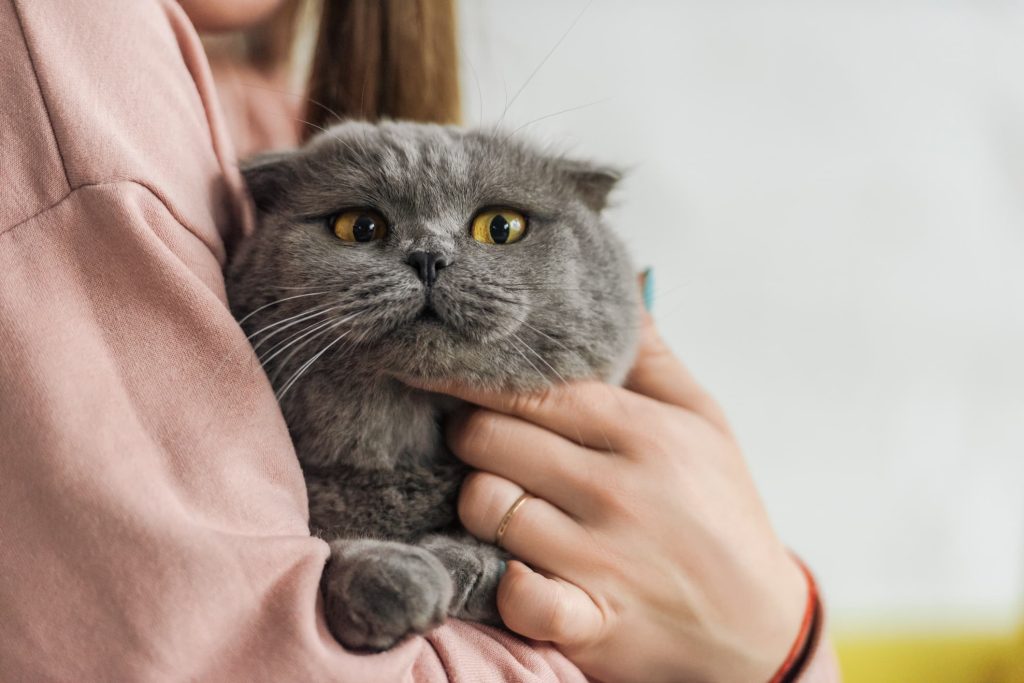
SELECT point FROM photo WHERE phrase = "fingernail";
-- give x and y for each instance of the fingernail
(648, 287)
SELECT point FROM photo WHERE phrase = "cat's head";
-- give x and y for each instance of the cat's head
(422, 251)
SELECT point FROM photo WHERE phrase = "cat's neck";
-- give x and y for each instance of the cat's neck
(369, 422)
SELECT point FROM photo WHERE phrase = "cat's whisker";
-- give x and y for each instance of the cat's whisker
(575, 425)
(298, 96)
(496, 130)
(540, 358)
(320, 309)
(278, 301)
(277, 350)
(547, 336)
(306, 287)
(600, 296)
(661, 290)
(522, 355)
(306, 317)
(337, 117)
(281, 342)
(274, 372)
(559, 113)
(616, 396)
(284, 362)
(479, 90)
(554, 288)
(536, 70)
(247, 348)
(291, 382)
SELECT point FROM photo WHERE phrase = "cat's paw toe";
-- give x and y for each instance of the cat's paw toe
(476, 571)
(376, 597)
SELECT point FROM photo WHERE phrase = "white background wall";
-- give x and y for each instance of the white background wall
(832, 197)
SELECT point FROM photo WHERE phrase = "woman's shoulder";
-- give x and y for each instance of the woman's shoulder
(109, 92)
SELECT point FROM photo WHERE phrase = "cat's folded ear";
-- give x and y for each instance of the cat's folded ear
(268, 177)
(593, 182)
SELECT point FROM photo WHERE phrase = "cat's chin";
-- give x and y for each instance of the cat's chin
(430, 329)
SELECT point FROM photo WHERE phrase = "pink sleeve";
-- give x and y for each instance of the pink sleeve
(152, 512)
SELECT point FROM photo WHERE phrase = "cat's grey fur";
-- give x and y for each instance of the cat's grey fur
(559, 304)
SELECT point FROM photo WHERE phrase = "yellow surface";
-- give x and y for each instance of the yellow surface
(931, 658)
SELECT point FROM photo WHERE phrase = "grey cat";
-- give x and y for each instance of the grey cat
(400, 251)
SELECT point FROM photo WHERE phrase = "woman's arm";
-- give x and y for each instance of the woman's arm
(152, 511)
(651, 557)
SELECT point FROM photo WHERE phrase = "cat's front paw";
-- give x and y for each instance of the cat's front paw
(378, 592)
(476, 569)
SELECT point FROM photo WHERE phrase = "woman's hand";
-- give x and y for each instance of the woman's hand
(646, 552)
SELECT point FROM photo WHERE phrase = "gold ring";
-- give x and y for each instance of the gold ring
(503, 526)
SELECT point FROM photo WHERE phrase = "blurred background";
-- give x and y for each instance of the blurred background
(831, 195)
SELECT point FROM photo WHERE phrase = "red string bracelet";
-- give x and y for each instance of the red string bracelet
(800, 652)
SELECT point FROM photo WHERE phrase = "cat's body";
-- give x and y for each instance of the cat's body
(339, 325)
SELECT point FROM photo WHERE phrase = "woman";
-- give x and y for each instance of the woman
(152, 513)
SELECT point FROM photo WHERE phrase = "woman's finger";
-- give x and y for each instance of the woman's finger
(590, 413)
(542, 462)
(537, 532)
(544, 608)
(659, 374)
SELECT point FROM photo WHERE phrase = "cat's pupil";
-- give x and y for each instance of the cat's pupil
(499, 229)
(363, 228)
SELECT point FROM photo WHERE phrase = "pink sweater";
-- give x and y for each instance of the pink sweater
(152, 511)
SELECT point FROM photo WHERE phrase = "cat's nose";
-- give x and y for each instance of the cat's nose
(427, 264)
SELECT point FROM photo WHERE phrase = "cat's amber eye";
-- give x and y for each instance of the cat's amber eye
(499, 226)
(359, 225)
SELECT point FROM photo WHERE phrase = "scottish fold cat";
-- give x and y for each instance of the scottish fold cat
(396, 252)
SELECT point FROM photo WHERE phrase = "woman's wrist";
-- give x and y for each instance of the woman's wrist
(800, 650)
(767, 620)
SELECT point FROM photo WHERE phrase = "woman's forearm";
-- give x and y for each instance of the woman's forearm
(152, 511)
